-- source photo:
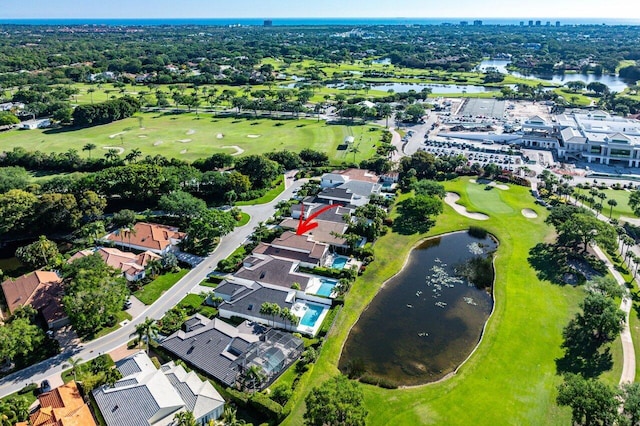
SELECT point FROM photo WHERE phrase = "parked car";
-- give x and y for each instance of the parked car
(45, 386)
(127, 304)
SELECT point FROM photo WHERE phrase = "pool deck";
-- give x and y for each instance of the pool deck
(300, 308)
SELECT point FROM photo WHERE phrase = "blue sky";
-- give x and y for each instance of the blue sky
(313, 8)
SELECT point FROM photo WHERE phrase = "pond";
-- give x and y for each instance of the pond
(612, 81)
(435, 88)
(427, 319)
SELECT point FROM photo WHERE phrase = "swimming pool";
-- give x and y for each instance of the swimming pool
(311, 316)
(326, 287)
(339, 262)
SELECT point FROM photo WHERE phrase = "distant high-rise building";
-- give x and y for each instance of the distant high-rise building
(522, 23)
(464, 23)
(477, 22)
(531, 23)
(547, 24)
(267, 23)
(557, 23)
(538, 23)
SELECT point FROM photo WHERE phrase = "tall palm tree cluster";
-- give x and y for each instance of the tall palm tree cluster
(274, 310)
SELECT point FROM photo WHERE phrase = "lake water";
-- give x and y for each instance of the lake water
(427, 319)
(612, 81)
(435, 88)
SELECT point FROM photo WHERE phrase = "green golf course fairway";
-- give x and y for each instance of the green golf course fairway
(511, 377)
(189, 137)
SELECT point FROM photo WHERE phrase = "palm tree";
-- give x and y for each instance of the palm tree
(133, 156)
(184, 418)
(112, 155)
(154, 266)
(256, 375)
(229, 417)
(90, 92)
(149, 329)
(612, 203)
(75, 364)
(89, 147)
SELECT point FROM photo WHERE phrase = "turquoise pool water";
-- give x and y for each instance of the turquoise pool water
(339, 262)
(311, 316)
(326, 288)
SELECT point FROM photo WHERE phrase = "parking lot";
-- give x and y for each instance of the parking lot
(501, 155)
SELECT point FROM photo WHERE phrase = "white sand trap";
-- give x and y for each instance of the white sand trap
(253, 136)
(190, 132)
(143, 136)
(529, 214)
(115, 135)
(156, 143)
(236, 147)
(452, 200)
(117, 148)
(219, 136)
(184, 140)
(184, 151)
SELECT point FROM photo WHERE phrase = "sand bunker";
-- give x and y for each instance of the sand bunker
(115, 135)
(184, 140)
(184, 151)
(156, 143)
(190, 132)
(452, 200)
(117, 148)
(490, 183)
(236, 147)
(253, 136)
(529, 214)
(142, 136)
(219, 136)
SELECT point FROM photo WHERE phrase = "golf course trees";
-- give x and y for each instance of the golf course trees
(42, 252)
(95, 294)
(106, 112)
(634, 202)
(260, 170)
(17, 210)
(338, 401)
(592, 402)
(582, 229)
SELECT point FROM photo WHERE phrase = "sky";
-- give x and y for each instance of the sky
(12, 9)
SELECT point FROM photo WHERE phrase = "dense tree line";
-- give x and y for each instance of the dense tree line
(105, 112)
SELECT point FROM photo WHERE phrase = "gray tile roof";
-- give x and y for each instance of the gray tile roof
(116, 406)
(207, 348)
(364, 189)
(274, 271)
(249, 304)
(128, 367)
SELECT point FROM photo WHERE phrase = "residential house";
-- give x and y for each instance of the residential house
(35, 124)
(224, 352)
(42, 290)
(63, 406)
(295, 247)
(149, 396)
(132, 265)
(272, 271)
(327, 232)
(159, 239)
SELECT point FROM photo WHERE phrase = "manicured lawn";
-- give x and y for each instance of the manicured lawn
(244, 219)
(511, 378)
(152, 291)
(267, 197)
(194, 303)
(188, 137)
(622, 198)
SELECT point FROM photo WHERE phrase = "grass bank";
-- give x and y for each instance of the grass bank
(152, 291)
(511, 378)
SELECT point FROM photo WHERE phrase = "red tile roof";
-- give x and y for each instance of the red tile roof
(149, 235)
(62, 406)
(40, 289)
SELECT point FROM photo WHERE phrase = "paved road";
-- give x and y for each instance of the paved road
(628, 352)
(90, 350)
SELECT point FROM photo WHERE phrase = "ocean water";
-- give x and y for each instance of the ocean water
(313, 21)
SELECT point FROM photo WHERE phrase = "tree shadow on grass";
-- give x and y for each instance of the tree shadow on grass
(549, 261)
(587, 362)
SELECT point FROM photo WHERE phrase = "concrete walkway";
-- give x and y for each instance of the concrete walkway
(628, 351)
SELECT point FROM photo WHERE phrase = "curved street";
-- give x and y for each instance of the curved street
(87, 351)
